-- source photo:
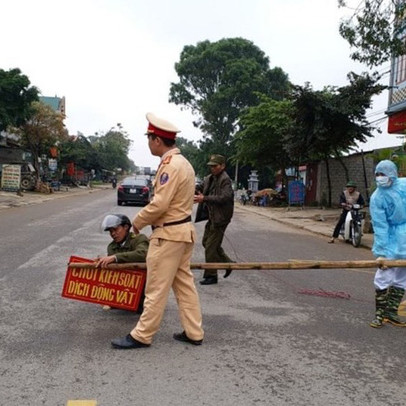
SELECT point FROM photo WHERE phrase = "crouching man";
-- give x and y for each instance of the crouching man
(125, 247)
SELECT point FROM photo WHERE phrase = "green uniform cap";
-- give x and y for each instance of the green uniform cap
(216, 159)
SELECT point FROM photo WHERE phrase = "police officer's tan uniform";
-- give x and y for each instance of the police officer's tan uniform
(170, 249)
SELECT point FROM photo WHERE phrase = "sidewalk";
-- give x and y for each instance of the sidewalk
(12, 199)
(313, 219)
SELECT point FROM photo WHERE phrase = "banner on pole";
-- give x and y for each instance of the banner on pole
(117, 288)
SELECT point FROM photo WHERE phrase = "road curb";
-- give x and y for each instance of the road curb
(41, 198)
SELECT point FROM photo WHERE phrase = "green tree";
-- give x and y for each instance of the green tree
(191, 151)
(44, 130)
(217, 80)
(79, 150)
(264, 129)
(332, 121)
(16, 96)
(112, 149)
(375, 29)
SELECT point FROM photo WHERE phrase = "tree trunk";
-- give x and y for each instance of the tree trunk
(284, 178)
(328, 181)
(37, 170)
(340, 160)
(365, 176)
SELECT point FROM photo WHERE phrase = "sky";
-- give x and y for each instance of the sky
(113, 60)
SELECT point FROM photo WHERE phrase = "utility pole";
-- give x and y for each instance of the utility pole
(236, 176)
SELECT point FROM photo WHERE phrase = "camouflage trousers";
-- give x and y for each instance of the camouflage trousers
(387, 303)
(394, 298)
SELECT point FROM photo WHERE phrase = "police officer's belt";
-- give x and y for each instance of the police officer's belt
(188, 219)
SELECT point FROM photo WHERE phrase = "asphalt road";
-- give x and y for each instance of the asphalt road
(269, 340)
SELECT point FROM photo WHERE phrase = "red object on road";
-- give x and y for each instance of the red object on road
(117, 288)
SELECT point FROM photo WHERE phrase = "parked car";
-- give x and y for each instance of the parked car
(135, 191)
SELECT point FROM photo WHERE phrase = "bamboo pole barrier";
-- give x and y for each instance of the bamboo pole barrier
(291, 264)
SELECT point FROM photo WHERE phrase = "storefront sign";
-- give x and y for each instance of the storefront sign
(397, 123)
(296, 192)
(10, 177)
(114, 287)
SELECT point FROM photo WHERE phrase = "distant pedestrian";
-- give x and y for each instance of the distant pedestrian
(171, 243)
(348, 198)
(388, 213)
(217, 199)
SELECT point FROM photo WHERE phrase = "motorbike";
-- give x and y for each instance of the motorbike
(351, 230)
(243, 199)
(114, 183)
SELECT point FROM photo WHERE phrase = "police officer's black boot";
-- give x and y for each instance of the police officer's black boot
(380, 305)
(209, 280)
(391, 316)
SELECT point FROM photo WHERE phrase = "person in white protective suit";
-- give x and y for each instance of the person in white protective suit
(388, 213)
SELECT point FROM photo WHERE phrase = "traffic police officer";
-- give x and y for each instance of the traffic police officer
(171, 243)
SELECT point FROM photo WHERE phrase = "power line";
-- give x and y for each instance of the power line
(375, 113)
(377, 120)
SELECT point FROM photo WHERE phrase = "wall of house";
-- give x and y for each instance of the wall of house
(13, 155)
(338, 179)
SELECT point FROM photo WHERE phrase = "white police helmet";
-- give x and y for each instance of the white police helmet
(115, 220)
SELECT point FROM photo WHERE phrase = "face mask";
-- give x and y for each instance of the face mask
(383, 181)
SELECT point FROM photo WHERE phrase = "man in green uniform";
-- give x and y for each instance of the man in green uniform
(217, 198)
(125, 247)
